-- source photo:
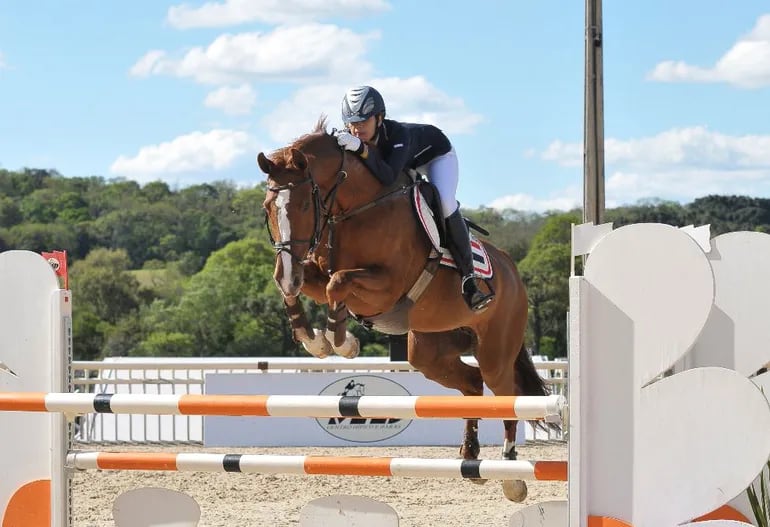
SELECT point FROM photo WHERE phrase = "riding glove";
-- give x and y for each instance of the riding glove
(350, 142)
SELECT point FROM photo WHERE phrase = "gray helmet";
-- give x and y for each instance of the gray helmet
(360, 103)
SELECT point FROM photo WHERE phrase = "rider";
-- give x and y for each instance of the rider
(388, 147)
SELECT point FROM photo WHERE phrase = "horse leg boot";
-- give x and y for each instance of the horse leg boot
(460, 246)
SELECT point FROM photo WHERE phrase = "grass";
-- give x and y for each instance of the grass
(760, 503)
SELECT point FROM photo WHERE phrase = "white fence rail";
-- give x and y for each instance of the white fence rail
(188, 376)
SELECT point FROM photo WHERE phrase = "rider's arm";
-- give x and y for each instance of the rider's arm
(387, 170)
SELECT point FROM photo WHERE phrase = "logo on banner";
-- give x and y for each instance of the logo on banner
(364, 429)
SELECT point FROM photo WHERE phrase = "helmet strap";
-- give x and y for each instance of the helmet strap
(379, 127)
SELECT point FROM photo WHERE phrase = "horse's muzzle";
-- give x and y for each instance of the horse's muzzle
(289, 274)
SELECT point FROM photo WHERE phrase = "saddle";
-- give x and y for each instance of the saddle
(426, 205)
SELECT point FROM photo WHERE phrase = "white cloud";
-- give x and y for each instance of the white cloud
(565, 154)
(297, 53)
(197, 151)
(416, 100)
(685, 184)
(525, 202)
(3, 65)
(233, 100)
(234, 12)
(413, 99)
(695, 146)
(745, 64)
(298, 114)
(679, 164)
(151, 63)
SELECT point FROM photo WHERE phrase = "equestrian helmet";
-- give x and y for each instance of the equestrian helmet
(360, 103)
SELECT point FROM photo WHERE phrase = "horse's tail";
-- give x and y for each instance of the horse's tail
(528, 380)
(531, 383)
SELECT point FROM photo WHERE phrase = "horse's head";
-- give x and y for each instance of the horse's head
(303, 180)
(292, 213)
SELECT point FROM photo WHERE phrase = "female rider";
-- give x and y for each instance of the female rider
(388, 147)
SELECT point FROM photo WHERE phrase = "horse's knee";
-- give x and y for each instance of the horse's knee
(427, 363)
(337, 288)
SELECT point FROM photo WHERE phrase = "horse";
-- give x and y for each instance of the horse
(344, 239)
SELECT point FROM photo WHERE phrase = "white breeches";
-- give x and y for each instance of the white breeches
(443, 172)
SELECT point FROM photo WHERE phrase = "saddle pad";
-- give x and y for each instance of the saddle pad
(481, 262)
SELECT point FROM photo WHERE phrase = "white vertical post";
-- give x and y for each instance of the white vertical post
(61, 381)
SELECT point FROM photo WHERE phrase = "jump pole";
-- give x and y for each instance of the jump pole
(547, 408)
(497, 469)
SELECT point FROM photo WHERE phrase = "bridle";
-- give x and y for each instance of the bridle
(321, 212)
(323, 215)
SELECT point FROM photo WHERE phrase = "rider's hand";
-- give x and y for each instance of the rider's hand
(350, 142)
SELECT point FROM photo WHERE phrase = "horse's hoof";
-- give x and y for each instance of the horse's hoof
(515, 490)
(478, 481)
(318, 346)
(349, 349)
(347, 354)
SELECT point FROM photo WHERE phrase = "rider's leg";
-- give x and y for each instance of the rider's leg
(460, 247)
(443, 173)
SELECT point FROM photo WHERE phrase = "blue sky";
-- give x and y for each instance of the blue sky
(191, 92)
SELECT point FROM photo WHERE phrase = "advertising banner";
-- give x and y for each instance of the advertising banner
(226, 431)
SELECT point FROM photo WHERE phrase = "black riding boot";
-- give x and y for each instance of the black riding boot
(459, 244)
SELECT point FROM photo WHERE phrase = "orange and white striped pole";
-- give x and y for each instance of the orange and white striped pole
(502, 469)
(405, 407)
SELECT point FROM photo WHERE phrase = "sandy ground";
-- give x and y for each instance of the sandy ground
(240, 500)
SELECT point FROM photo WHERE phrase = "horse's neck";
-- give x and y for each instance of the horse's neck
(360, 187)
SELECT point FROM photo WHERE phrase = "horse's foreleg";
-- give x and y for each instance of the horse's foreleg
(337, 325)
(341, 286)
(343, 342)
(312, 340)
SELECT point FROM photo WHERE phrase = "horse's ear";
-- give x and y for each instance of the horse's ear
(298, 159)
(264, 163)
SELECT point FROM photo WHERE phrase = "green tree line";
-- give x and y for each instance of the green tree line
(157, 271)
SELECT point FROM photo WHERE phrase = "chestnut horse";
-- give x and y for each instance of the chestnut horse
(345, 240)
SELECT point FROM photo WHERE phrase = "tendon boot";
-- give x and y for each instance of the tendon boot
(459, 245)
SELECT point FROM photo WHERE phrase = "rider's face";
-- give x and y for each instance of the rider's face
(364, 130)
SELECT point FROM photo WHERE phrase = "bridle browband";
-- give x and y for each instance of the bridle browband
(322, 213)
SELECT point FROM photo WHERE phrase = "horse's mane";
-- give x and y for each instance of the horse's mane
(282, 156)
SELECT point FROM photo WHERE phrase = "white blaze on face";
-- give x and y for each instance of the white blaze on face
(284, 229)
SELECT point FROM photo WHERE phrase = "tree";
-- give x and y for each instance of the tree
(40, 237)
(230, 308)
(10, 214)
(509, 230)
(104, 293)
(138, 230)
(545, 271)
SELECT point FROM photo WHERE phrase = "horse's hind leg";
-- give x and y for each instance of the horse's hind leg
(437, 356)
(507, 372)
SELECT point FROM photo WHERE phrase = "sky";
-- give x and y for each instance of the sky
(189, 93)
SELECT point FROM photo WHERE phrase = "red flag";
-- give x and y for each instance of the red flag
(58, 261)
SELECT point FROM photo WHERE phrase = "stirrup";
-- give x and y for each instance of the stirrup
(474, 297)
